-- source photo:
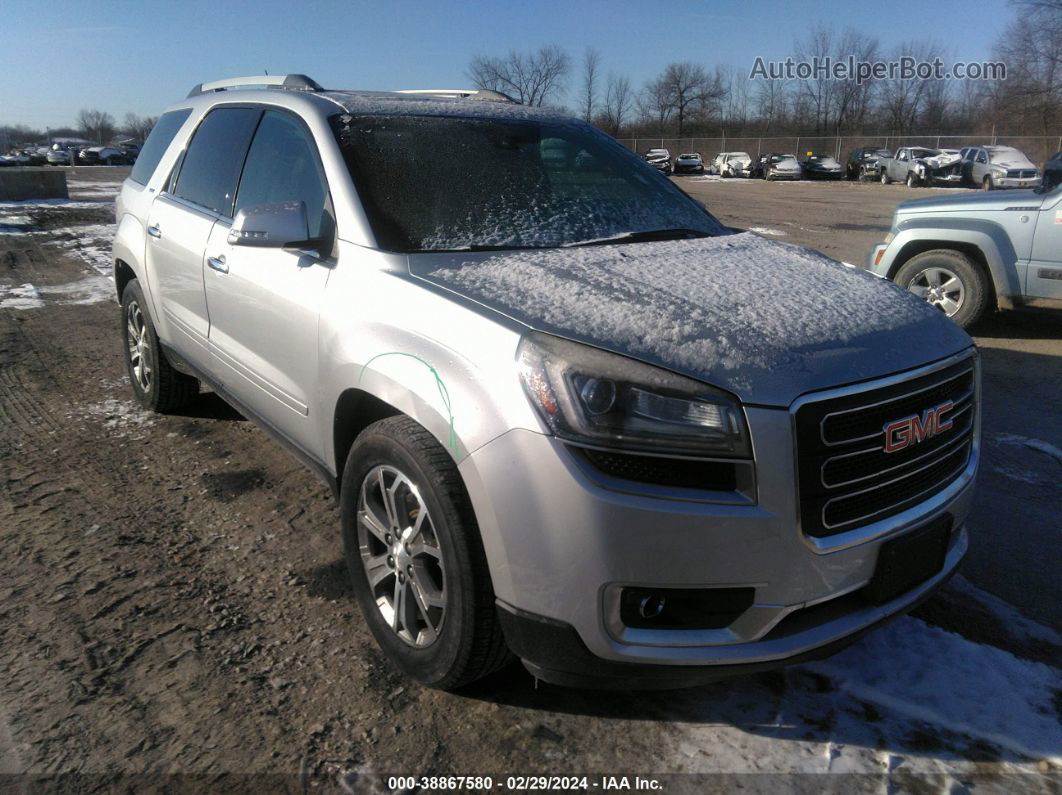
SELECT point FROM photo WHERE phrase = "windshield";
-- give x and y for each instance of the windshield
(445, 184)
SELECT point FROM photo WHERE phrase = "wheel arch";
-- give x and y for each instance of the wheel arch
(989, 249)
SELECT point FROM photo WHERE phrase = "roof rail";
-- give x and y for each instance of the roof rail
(481, 94)
(293, 82)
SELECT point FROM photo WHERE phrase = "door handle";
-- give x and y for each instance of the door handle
(218, 263)
(154, 231)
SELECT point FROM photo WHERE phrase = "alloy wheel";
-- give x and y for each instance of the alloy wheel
(139, 346)
(940, 287)
(401, 555)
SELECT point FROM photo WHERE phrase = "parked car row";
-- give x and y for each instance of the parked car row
(986, 167)
(65, 155)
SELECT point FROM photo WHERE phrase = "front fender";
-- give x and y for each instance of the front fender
(991, 239)
(449, 367)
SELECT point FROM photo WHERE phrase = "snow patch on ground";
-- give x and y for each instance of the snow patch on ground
(763, 230)
(24, 296)
(1039, 445)
(924, 673)
(1024, 459)
(90, 242)
(72, 204)
(15, 224)
(119, 417)
(909, 703)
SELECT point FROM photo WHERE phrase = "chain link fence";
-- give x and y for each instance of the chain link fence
(1037, 148)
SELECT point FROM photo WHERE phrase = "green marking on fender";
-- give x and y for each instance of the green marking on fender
(444, 393)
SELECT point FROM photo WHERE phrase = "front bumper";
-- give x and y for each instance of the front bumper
(562, 542)
(1010, 182)
(784, 174)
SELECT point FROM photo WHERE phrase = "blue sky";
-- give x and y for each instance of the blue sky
(60, 56)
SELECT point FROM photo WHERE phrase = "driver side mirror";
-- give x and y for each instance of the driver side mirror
(271, 226)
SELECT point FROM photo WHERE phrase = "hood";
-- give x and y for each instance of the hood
(972, 202)
(764, 320)
(1018, 163)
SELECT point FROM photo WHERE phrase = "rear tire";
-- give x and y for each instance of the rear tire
(949, 280)
(423, 549)
(156, 384)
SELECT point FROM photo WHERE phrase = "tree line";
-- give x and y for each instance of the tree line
(91, 124)
(691, 100)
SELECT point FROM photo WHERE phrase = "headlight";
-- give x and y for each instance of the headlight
(591, 397)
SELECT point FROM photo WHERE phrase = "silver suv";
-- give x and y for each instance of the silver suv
(568, 415)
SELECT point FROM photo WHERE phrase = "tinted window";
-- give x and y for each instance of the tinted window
(453, 183)
(282, 166)
(213, 160)
(158, 141)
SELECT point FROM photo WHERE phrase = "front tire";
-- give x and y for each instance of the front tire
(415, 557)
(885, 178)
(948, 280)
(987, 183)
(156, 384)
(912, 180)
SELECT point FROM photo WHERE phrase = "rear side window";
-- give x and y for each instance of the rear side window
(212, 163)
(158, 141)
(282, 166)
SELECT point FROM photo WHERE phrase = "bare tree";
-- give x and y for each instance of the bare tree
(591, 70)
(686, 89)
(903, 99)
(96, 125)
(1031, 46)
(138, 127)
(531, 78)
(850, 99)
(771, 98)
(654, 103)
(619, 101)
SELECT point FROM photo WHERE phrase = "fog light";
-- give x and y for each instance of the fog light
(683, 608)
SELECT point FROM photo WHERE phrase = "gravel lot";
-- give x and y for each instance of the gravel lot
(173, 598)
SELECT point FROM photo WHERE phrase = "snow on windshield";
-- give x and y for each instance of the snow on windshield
(434, 183)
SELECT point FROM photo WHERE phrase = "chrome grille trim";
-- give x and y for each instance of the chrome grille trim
(940, 452)
(825, 419)
(856, 494)
(929, 490)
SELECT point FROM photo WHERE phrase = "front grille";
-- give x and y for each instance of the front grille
(846, 477)
(1027, 173)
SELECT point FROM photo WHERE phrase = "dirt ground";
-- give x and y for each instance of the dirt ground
(173, 600)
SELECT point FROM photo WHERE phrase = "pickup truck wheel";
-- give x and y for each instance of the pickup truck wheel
(885, 178)
(912, 180)
(416, 559)
(948, 280)
(156, 384)
(987, 183)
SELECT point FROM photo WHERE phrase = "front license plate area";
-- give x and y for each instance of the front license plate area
(909, 560)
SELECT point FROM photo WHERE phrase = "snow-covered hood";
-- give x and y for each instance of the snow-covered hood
(1017, 163)
(765, 320)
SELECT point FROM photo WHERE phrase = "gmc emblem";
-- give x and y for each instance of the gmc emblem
(900, 434)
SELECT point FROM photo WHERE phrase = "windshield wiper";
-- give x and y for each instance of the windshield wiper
(677, 233)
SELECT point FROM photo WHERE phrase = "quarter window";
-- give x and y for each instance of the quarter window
(158, 141)
(282, 166)
(212, 163)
